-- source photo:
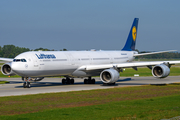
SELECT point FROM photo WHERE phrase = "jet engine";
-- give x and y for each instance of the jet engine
(6, 69)
(109, 76)
(160, 71)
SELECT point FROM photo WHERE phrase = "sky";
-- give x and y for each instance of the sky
(92, 24)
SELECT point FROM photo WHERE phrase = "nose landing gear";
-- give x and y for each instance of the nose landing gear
(26, 83)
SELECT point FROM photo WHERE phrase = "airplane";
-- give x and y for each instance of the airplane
(35, 65)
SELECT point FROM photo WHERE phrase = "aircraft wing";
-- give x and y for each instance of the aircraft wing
(125, 65)
(7, 59)
(131, 64)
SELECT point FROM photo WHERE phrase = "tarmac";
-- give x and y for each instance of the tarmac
(54, 85)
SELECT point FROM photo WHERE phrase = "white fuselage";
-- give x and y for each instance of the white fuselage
(65, 63)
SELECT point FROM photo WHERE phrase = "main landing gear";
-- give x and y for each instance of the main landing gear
(26, 83)
(89, 81)
(67, 81)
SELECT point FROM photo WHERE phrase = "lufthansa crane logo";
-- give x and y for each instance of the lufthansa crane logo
(134, 33)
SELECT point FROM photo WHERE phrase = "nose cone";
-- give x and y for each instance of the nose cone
(15, 66)
(18, 68)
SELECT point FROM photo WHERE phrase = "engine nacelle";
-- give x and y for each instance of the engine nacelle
(160, 71)
(109, 76)
(6, 69)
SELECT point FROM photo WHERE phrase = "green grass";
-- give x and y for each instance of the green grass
(138, 109)
(4, 82)
(145, 102)
(4, 76)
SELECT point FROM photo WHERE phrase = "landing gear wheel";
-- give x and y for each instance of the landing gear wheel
(89, 81)
(24, 85)
(93, 81)
(28, 85)
(85, 81)
(67, 81)
(63, 81)
(72, 81)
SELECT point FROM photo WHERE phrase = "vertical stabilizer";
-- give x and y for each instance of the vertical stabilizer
(131, 40)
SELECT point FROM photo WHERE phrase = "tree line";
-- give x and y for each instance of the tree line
(11, 51)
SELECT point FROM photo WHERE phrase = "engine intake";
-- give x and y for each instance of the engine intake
(6, 69)
(160, 71)
(109, 76)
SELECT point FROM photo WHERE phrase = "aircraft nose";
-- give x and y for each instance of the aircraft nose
(14, 66)
(18, 68)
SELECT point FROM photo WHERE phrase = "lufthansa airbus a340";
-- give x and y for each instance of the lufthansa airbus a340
(35, 65)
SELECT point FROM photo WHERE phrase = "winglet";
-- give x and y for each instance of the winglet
(131, 40)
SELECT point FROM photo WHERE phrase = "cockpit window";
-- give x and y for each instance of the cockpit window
(19, 60)
(23, 60)
(16, 60)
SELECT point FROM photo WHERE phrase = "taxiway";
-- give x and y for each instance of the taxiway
(53, 85)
